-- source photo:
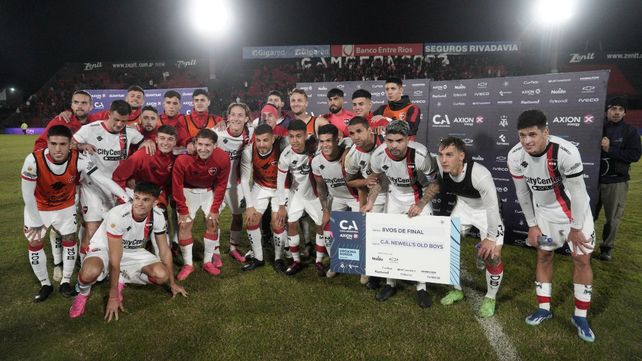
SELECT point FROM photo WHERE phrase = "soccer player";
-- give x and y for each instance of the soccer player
(198, 119)
(357, 169)
(547, 172)
(299, 106)
(118, 249)
(199, 181)
(149, 122)
(270, 116)
(80, 107)
(259, 163)
(399, 106)
(412, 174)
(338, 116)
(49, 179)
(295, 161)
(361, 106)
(329, 175)
(171, 108)
(108, 143)
(232, 140)
(477, 206)
(276, 99)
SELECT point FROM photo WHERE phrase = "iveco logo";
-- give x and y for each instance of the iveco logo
(588, 100)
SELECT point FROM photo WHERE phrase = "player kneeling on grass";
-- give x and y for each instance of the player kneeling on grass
(477, 206)
(548, 176)
(118, 249)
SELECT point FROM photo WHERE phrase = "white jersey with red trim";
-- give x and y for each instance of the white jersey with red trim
(333, 174)
(298, 166)
(233, 146)
(408, 176)
(546, 175)
(111, 148)
(120, 223)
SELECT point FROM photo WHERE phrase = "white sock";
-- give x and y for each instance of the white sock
(38, 260)
(421, 286)
(254, 235)
(56, 246)
(84, 288)
(391, 282)
(279, 239)
(320, 247)
(210, 243)
(494, 275)
(327, 235)
(582, 295)
(305, 226)
(294, 241)
(217, 248)
(186, 250)
(69, 261)
(543, 291)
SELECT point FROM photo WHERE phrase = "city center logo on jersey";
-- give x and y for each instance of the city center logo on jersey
(212, 171)
(133, 244)
(335, 182)
(543, 184)
(110, 154)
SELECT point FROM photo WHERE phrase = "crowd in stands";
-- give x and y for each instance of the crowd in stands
(257, 78)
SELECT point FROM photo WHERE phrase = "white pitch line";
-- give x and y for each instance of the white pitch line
(493, 331)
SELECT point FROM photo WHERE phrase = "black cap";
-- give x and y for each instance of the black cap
(615, 101)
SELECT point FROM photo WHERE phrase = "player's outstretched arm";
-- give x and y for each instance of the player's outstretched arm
(115, 255)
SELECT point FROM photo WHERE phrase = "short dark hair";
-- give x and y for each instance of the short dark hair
(361, 93)
(82, 92)
(335, 92)
(168, 129)
(147, 188)
(297, 124)
(329, 129)
(198, 92)
(150, 108)
(135, 88)
(59, 130)
(455, 142)
(617, 101)
(172, 94)
(121, 107)
(207, 133)
(395, 80)
(531, 118)
(398, 127)
(263, 129)
(276, 93)
(359, 120)
(299, 91)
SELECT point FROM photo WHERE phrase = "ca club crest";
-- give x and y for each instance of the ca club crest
(212, 171)
(552, 163)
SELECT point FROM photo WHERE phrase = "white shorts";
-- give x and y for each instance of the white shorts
(233, 199)
(470, 217)
(559, 231)
(196, 198)
(94, 203)
(395, 207)
(62, 220)
(263, 196)
(131, 264)
(297, 204)
(344, 204)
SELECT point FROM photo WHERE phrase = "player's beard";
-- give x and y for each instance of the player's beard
(335, 109)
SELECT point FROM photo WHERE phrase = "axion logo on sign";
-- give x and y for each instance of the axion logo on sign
(479, 119)
(573, 121)
(531, 91)
(589, 118)
(467, 121)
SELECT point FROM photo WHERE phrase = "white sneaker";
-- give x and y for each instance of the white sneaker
(57, 273)
(364, 279)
